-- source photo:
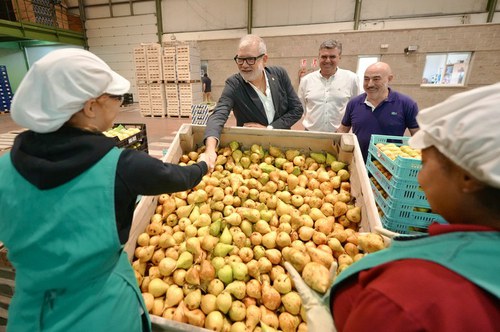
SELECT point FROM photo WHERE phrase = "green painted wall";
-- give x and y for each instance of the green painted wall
(13, 57)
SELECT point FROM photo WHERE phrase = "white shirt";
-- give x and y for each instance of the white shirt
(267, 100)
(324, 100)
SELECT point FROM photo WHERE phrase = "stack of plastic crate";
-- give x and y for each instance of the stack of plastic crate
(168, 61)
(153, 53)
(188, 65)
(149, 79)
(172, 97)
(189, 94)
(157, 99)
(5, 90)
(398, 195)
(144, 104)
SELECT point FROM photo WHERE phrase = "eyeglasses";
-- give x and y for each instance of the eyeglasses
(250, 60)
(117, 97)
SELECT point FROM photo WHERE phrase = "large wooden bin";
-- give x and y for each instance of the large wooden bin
(189, 137)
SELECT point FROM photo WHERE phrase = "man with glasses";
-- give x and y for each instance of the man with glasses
(259, 96)
(324, 93)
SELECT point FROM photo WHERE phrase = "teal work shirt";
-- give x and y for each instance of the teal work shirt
(71, 271)
(473, 255)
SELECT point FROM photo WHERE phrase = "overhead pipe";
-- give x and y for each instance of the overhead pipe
(357, 14)
(492, 5)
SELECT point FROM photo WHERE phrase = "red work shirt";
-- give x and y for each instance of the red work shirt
(415, 295)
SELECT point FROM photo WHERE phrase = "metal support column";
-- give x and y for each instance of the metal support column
(357, 14)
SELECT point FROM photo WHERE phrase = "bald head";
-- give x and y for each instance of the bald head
(380, 67)
(376, 81)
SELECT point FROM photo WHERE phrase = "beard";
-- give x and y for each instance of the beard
(254, 74)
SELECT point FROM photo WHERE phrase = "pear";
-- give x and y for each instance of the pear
(354, 214)
(246, 228)
(339, 208)
(193, 246)
(215, 227)
(237, 288)
(225, 274)
(184, 211)
(222, 249)
(226, 237)
(240, 270)
(320, 256)
(234, 219)
(290, 154)
(252, 215)
(330, 158)
(224, 301)
(266, 167)
(245, 162)
(237, 154)
(234, 145)
(255, 148)
(253, 269)
(318, 157)
(275, 151)
(278, 162)
(337, 165)
(208, 242)
(185, 260)
(193, 275)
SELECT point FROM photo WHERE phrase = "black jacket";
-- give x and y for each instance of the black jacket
(240, 97)
(50, 160)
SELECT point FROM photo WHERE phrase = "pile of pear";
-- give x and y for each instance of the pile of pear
(213, 256)
(393, 151)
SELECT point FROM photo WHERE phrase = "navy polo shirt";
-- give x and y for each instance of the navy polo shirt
(390, 117)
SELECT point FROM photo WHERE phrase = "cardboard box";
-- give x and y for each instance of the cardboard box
(189, 137)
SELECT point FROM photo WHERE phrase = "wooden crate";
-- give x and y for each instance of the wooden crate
(189, 137)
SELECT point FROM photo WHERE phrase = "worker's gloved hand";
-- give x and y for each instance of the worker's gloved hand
(319, 317)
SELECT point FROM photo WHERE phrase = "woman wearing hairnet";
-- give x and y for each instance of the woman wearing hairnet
(448, 280)
(67, 198)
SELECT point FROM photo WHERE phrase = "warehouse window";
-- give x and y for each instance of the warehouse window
(363, 62)
(448, 69)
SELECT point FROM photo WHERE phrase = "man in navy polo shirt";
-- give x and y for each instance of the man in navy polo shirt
(380, 110)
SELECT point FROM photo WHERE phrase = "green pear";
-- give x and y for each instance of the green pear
(318, 157)
(330, 158)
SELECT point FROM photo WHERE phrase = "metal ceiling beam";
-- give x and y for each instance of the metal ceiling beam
(159, 20)
(491, 7)
(26, 31)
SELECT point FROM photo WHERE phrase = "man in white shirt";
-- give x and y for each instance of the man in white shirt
(324, 93)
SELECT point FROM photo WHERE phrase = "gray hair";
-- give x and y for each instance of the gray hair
(253, 39)
(331, 44)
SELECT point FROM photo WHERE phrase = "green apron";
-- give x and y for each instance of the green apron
(71, 271)
(473, 255)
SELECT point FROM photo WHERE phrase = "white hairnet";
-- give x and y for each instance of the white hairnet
(58, 85)
(466, 129)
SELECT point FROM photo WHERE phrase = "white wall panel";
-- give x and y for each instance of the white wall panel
(298, 12)
(121, 21)
(203, 15)
(387, 9)
(141, 8)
